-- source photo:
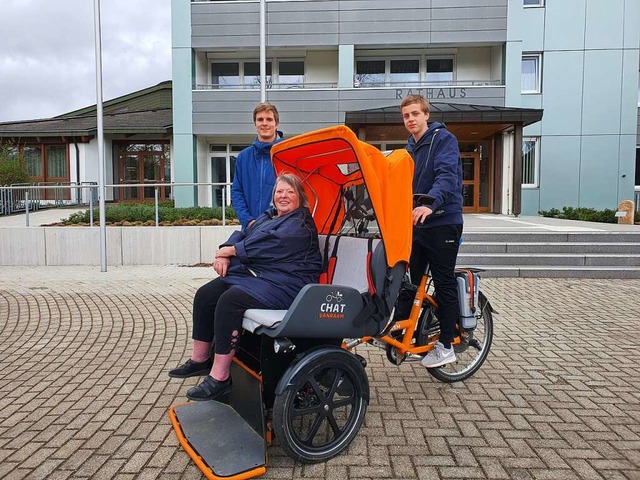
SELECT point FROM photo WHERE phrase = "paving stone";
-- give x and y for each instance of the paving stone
(91, 399)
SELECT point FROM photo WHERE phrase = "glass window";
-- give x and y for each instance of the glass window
(531, 73)
(225, 75)
(530, 155)
(56, 161)
(291, 73)
(252, 73)
(33, 157)
(439, 70)
(404, 71)
(533, 3)
(370, 73)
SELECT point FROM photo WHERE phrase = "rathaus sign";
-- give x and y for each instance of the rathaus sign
(431, 93)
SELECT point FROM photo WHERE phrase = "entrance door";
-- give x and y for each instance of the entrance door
(142, 164)
(470, 181)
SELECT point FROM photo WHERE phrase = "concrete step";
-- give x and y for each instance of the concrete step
(551, 237)
(551, 247)
(550, 260)
(560, 272)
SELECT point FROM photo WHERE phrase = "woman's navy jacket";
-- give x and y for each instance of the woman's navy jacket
(438, 172)
(275, 257)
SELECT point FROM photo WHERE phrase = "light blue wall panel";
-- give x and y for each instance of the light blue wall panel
(631, 24)
(599, 171)
(564, 25)
(530, 201)
(602, 90)
(605, 24)
(531, 30)
(559, 171)
(629, 113)
(346, 54)
(513, 73)
(562, 95)
(627, 167)
(183, 161)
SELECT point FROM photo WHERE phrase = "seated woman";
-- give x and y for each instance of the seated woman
(263, 266)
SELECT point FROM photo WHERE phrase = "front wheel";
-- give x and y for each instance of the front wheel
(472, 350)
(322, 409)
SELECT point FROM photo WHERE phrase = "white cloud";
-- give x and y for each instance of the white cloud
(47, 53)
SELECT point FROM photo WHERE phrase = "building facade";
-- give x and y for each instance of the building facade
(543, 96)
(63, 150)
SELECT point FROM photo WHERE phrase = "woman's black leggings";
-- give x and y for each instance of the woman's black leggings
(217, 313)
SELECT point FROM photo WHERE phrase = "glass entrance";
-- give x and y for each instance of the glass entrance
(143, 163)
(476, 175)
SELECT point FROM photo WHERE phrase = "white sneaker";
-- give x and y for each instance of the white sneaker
(438, 356)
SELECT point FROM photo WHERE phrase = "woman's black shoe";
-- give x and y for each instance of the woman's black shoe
(209, 389)
(192, 369)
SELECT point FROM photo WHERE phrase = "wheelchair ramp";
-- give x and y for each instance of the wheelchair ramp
(225, 441)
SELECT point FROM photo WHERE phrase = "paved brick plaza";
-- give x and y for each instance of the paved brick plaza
(84, 391)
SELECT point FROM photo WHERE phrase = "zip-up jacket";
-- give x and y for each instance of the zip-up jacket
(275, 257)
(438, 172)
(253, 180)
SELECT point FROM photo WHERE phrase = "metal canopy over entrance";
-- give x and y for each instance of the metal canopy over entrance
(479, 130)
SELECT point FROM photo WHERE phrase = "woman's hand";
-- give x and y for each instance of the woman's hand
(220, 265)
(226, 252)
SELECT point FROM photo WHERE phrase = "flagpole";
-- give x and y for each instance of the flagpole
(100, 128)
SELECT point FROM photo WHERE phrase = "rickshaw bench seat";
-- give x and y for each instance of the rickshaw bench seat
(316, 312)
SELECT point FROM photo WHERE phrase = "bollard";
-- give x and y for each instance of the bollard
(625, 212)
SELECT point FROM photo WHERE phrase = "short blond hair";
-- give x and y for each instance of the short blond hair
(419, 99)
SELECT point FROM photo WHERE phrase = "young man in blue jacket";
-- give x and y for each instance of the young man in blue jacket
(253, 177)
(438, 227)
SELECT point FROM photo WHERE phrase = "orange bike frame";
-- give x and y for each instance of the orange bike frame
(409, 325)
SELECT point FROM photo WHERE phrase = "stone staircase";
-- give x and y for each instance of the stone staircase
(553, 254)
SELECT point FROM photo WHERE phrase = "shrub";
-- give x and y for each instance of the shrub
(13, 168)
(586, 214)
(143, 212)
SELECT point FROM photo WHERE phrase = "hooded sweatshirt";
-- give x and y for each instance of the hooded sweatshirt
(438, 172)
(253, 180)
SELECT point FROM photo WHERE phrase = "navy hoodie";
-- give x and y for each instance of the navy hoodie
(253, 180)
(438, 172)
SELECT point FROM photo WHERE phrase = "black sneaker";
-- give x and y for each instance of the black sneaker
(209, 389)
(191, 369)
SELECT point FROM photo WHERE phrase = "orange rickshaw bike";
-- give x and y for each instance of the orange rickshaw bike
(295, 374)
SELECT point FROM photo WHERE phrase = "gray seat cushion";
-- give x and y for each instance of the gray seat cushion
(254, 318)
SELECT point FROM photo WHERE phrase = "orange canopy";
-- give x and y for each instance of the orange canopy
(331, 161)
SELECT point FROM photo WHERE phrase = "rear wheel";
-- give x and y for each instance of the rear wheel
(322, 409)
(472, 350)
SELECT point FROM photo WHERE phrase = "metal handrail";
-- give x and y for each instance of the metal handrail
(30, 198)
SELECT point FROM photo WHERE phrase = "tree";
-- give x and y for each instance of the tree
(13, 167)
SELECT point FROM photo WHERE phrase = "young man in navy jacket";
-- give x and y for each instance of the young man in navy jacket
(253, 177)
(438, 227)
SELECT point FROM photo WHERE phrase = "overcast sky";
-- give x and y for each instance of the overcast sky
(47, 53)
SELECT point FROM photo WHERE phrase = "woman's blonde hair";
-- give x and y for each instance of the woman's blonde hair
(293, 181)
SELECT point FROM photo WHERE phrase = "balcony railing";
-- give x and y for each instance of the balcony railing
(332, 85)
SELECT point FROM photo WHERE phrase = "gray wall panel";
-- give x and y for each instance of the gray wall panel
(468, 3)
(374, 22)
(470, 13)
(229, 112)
(638, 134)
